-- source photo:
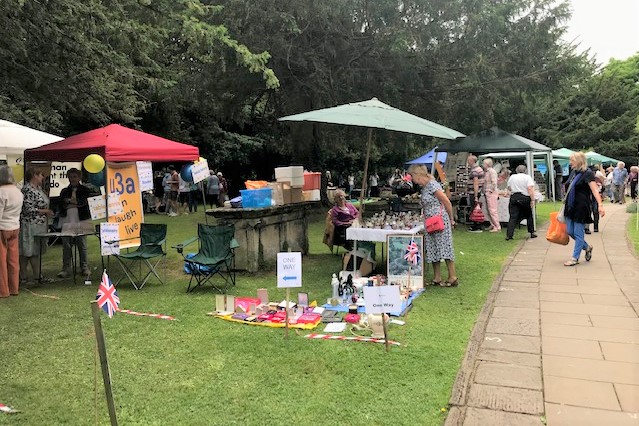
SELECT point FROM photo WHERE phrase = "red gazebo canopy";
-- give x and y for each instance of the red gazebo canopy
(114, 143)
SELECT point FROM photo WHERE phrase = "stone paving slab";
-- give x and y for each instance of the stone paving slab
(516, 376)
(571, 347)
(615, 322)
(568, 319)
(508, 357)
(515, 313)
(582, 289)
(519, 284)
(583, 393)
(591, 369)
(574, 308)
(551, 296)
(566, 415)
(506, 342)
(519, 326)
(591, 333)
(597, 299)
(624, 352)
(506, 399)
(628, 397)
(483, 417)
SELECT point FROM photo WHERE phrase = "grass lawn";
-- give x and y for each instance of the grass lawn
(205, 371)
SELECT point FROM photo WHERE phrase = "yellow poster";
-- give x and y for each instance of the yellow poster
(122, 181)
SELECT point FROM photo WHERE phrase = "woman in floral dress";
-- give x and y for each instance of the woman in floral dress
(33, 221)
(438, 245)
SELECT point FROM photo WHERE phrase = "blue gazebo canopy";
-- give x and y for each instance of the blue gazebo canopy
(428, 157)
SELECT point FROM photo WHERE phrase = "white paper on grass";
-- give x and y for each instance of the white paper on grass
(109, 232)
(97, 207)
(145, 175)
(335, 327)
(200, 171)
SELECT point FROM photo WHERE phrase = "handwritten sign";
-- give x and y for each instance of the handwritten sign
(122, 178)
(289, 270)
(97, 207)
(200, 171)
(109, 232)
(115, 205)
(145, 175)
(382, 299)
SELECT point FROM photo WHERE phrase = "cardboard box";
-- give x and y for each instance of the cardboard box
(296, 195)
(277, 192)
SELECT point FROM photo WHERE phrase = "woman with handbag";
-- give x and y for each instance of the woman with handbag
(439, 237)
(578, 209)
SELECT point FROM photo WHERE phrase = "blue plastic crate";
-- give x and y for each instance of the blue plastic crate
(256, 198)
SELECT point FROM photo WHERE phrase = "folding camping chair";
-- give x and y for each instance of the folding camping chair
(216, 256)
(150, 252)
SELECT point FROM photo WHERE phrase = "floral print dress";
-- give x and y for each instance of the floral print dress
(32, 222)
(438, 245)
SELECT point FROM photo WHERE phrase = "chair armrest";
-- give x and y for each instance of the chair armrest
(180, 247)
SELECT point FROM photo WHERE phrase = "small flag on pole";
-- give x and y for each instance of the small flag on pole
(412, 253)
(107, 296)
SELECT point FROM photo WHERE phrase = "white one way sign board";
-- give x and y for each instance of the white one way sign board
(289, 270)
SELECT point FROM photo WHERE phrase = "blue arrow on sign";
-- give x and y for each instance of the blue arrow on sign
(289, 278)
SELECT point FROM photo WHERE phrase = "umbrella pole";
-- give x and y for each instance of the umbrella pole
(364, 179)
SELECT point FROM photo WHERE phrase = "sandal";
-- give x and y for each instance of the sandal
(589, 253)
(450, 283)
(571, 262)
(436, 283)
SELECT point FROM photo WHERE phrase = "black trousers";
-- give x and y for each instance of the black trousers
(519, 209)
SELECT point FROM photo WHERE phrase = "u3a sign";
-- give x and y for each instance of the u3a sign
(289, 270)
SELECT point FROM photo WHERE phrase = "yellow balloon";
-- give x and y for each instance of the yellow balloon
(18, 172)
(93, 163)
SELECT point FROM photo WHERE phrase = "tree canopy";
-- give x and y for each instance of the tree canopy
(217, 74)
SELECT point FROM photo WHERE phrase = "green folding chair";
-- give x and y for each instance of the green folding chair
(150, 253)
(215, 257)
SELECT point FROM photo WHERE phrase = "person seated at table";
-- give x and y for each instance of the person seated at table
(33, 221)
(74, 208)
(343, 214)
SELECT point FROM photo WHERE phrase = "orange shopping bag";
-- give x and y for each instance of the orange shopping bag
(557, 232)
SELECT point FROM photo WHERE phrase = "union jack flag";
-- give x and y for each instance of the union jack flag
(412, 253)
(107, 296)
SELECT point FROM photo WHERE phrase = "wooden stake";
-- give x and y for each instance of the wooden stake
(385, 333)
(106, 374)
(288, 303)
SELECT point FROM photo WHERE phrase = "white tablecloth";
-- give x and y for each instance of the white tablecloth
(370, 234)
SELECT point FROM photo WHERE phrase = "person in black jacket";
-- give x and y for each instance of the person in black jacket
(74, 208)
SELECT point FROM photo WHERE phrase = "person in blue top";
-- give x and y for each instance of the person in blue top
(582, 187)
(619, 179)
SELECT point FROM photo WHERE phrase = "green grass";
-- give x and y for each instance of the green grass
(205, 371)
(633, 226)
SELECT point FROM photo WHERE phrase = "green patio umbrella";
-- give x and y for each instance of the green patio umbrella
(375, 114)
(595, 158)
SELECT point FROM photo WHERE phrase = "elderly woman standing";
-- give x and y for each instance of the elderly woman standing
(33, 221)
(491, 192)
(343, 214)
(438, 245)
(579, 205)
(10, 207)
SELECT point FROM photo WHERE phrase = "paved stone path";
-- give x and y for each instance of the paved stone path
(557, 345)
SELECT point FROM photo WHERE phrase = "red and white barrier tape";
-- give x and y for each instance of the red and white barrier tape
(356, 338)
(7, 409)
(146, 314)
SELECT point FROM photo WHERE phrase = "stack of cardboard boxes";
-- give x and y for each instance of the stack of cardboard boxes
(288, 186)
